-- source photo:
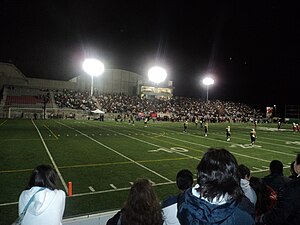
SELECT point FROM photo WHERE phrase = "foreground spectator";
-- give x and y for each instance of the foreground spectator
(266, 197)
(141, 208)
(184, 180)
(48, 204)
(244, 175)
(217, 198)
(287, 208)
(293, 172)
(276, 179)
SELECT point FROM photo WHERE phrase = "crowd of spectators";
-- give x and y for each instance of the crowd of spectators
(74, 100)
(175, 107)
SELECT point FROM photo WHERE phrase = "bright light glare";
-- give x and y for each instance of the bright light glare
(93, 67)
(157, 74)
(208, 81)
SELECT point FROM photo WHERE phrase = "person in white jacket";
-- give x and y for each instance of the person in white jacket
(48, 205)
(244, 175)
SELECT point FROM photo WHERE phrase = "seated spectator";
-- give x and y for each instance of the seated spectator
(141, 208)
(276, 179)
(217, 196)
(48, 204)
(287, 208)
(184, 180)
(244, 175)
(266, 197)
(293, 172)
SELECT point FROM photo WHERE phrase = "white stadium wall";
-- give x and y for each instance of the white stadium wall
(111, 81)
(10, 75)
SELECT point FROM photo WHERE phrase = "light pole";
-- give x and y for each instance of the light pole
(157, 74)
(274, 110)
(207, 81)
(93, 67)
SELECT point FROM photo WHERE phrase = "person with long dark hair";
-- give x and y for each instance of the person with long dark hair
(142, 206)
(217, 197)
(47, 203)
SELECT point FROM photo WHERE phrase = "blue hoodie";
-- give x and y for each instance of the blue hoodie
(194, 210)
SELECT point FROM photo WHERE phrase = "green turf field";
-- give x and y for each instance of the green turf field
(101, 159)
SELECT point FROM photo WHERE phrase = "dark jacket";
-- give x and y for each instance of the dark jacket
(193, 210)
(276, 181)
(115, 220)
(287, 208)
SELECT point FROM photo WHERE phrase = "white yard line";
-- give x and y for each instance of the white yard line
(286, 146)
(236, 153)
(10, 203)
(51, 158)
(149, 143)
(3, 122)
(113, 150)
(114, 190)
(92, 189)
(193, 143)
(113, 186)
(264, 149)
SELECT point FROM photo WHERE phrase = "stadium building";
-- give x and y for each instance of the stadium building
(21, 92)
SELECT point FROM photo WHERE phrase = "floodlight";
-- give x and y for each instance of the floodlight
(93, 67)
(157, 74)
(207, 81)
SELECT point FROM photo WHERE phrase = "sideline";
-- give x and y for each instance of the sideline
(51, 158)
(3, 123)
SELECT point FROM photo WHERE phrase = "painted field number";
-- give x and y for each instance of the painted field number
(245, 146)
(170, 150)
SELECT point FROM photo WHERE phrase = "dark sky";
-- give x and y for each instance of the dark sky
(251, 47)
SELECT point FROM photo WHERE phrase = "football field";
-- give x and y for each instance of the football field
(102, 159)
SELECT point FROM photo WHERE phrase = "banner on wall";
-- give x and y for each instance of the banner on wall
(269, 112)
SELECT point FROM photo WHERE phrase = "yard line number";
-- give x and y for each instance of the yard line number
(170, 150)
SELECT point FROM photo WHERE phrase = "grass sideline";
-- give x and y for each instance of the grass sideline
(101, 159)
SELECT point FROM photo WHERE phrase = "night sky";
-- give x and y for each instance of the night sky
(251, 47)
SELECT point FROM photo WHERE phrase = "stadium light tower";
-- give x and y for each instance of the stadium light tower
(157, 74)
(207, 81)
(93, 67)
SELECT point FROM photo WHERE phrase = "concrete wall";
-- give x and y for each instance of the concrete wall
(11, 75)
(111, 81)
(93, 219)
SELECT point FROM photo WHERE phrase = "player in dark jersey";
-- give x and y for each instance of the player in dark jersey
(131, 119)
(196, 122)
(255, 124)
(228, 133)
(279, 124)
(185, 125)
(205, 129)
(253, 136)
(145, 121)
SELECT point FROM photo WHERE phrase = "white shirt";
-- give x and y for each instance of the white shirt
(47, 207)
(248, 190)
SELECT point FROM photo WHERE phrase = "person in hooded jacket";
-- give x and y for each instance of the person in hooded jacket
(286, 210)
(217, 198)
(244, 175)
(48, 203)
